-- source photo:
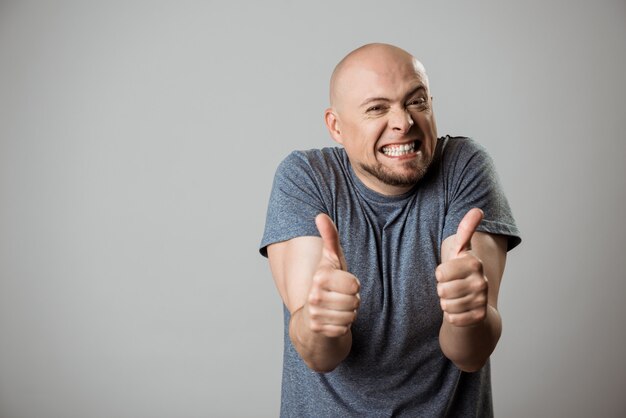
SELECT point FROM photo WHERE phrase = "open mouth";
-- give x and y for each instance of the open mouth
(398, 150)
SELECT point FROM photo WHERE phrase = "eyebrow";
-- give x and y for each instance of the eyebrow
(384, 99)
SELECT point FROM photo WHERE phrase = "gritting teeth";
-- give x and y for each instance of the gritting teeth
(397, 150)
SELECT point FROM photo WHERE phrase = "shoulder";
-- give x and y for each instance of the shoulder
(460, 145)
(324, 167)
(305, 184)
(459, 154)
(313, 158)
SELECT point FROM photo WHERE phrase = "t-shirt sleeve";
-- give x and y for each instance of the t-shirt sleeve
(294, 202)
(473, 182)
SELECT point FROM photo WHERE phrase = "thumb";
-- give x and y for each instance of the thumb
(466, 230)
(330, 240)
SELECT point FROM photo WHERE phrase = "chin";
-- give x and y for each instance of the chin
(409, 177)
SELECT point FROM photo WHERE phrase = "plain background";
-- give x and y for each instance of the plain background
(138, 142)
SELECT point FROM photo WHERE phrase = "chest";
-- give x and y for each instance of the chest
(393, 251)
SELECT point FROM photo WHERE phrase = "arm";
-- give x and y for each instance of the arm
(321, 296)
(468, 284)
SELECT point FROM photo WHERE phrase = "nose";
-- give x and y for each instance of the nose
(400, 120)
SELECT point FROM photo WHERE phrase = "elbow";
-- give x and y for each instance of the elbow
(468, 362)
(470, 366)
(320, 366)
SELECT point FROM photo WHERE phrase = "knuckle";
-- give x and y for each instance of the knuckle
(440, 273)
(316, 327)
(475, 264)
(479, 314)
(315, 297)
(333, 331)
(341, 331)
(480, 285)
(482, 299)
(472, 263)
(357, 285)
(318, 278)
(353, 317)
(314, 313)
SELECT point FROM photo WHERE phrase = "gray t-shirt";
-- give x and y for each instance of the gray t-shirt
(392, 245)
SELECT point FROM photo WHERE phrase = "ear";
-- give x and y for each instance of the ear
(332, 123)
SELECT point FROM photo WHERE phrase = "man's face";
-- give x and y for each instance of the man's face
(386, 124)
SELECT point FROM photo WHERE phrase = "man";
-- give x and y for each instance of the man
(388, 254)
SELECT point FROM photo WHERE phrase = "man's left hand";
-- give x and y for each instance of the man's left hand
(462, 286)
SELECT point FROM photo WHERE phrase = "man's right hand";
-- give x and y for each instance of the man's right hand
(333, 298)
(322, 297)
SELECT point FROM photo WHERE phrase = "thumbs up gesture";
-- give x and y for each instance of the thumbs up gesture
(461, 284)
(333, 298)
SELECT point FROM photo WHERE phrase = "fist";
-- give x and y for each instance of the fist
(461, 284)
(333, 299)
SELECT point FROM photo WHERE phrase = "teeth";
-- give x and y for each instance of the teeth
(398, 150)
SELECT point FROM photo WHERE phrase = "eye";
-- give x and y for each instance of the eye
(418, 101)
(375, 109)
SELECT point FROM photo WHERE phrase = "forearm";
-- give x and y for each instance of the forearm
(320, 352)
(470, 347)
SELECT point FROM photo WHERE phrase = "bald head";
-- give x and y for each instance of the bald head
(380, 102)
(374, 58)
